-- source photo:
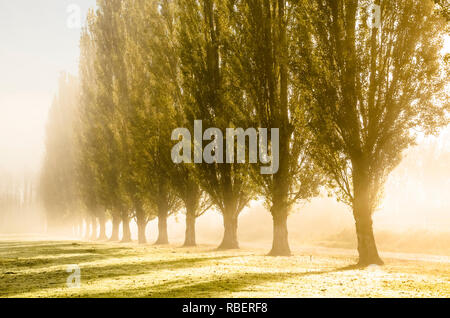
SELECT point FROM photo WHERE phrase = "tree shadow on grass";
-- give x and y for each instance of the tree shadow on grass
(216, 286)
(23, 263)
(6, 245)
(42, 248)
(18, 283)
(15, 280)
(44, 255)
(55, 248)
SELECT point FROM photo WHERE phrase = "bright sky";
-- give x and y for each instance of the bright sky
(36, 45)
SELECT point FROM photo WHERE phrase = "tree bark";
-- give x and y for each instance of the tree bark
(142, 226)
(230, 240)
(367, 249)
(362, 212)
(280, 205)
(115, 228)
(280, 244)
(282, 179)
(163, 238)
(102, 221)
(126, 233)
(190, 228)
(141, 221)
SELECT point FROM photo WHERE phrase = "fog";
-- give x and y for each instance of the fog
(36, 46)
(413, 216)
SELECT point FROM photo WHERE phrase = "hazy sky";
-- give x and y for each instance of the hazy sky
(36, 45)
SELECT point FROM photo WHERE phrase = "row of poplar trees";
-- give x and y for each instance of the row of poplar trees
(347, 93)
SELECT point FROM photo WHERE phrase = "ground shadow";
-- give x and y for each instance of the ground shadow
(18, 257)
(17, 283)
(217, 286)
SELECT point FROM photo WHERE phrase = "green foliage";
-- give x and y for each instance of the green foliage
(151, 65)
(211, 93)
(262, 62)
(370, 89)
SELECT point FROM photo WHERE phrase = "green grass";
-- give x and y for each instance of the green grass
(38, 269)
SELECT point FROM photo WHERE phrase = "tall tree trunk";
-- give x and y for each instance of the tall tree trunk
(367, 249)
(189, 239)
(280, 195)
(115, 228)
(141, 221)
(142, 226)
(126, 233)
(163, 238)
(362, 212)
(280, 244)
(230, 223)
(102, 221)
(280, 119)
(93, 236)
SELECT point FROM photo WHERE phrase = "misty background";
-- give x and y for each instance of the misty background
(37, 45)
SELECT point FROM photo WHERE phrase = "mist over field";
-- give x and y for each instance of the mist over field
(110, 188)
(414, 216)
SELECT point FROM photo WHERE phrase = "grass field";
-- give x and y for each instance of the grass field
(38, 269)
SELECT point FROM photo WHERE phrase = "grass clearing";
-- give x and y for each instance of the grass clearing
(38, 269)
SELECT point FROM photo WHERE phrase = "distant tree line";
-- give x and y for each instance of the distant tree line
(347, 95)
(17, 198)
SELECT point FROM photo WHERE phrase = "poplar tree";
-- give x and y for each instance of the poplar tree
(111, 99)
(262, 54)
(375, 81)
(153, 92)
(211, 94)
